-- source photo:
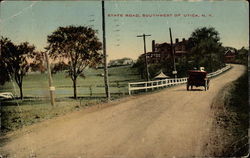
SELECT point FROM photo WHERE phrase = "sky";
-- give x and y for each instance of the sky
(33, 21)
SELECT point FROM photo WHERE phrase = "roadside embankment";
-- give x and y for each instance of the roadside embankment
(229, 133)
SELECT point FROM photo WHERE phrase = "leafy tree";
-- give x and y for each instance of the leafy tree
(76, 46)
(182, 66)
(60, 66)
(38, 63)
(16, 59)
(206, 49)
(154, 68)
(20, 63)
(6, 47)
(140, 66)
(242, 56)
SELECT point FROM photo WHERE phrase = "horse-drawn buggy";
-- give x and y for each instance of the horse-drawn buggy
(197, 78)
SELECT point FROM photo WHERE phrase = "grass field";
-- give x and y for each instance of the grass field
(36, 85)
(36, 106)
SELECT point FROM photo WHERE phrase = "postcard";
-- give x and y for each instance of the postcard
(124, 79)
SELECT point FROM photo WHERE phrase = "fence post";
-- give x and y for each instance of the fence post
(129, 92)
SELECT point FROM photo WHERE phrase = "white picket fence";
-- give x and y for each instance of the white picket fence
(167, 82)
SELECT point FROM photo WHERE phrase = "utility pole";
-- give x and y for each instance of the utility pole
(145, 53)
(106, 81)
(51, 88)
(173, 54)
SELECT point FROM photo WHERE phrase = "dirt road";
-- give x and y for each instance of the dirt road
(172, 122)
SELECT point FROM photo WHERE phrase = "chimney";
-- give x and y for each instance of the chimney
(153, 45)
(176, 40)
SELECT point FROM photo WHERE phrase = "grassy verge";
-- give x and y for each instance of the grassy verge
(229, 135)
(28, 111)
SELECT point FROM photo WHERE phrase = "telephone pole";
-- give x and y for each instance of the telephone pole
(106, 81)
(145, 53)
(51, 88)
(173, 54)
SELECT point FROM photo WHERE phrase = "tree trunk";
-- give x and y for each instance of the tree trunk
(21, 91)
(74, 86)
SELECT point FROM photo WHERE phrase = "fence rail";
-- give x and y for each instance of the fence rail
(167, 82)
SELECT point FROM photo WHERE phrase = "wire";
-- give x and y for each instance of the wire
(20, 12)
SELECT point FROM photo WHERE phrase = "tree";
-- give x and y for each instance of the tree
(6, 47)
(206, 49)
(20, 63)
(140, 66)
(165, 66)
(17, 59)
(38, 63)
(76, 46)
(60, 66)
(242, 56)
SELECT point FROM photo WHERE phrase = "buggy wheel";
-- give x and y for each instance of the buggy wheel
(206, 85)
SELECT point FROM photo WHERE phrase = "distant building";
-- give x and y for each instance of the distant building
(181, 48)
(229, 56)
(127, 61)
(161, 52)
(120, 62)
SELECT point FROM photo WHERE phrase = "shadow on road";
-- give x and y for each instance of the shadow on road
(190, 90)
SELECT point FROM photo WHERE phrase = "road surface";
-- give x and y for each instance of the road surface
(172, 122)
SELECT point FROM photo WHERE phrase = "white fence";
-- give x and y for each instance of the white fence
(167, 82)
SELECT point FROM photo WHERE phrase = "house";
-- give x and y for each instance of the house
(127, 61)
(161, 52)
(181, 48)
(229, 56)
(120, 62)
